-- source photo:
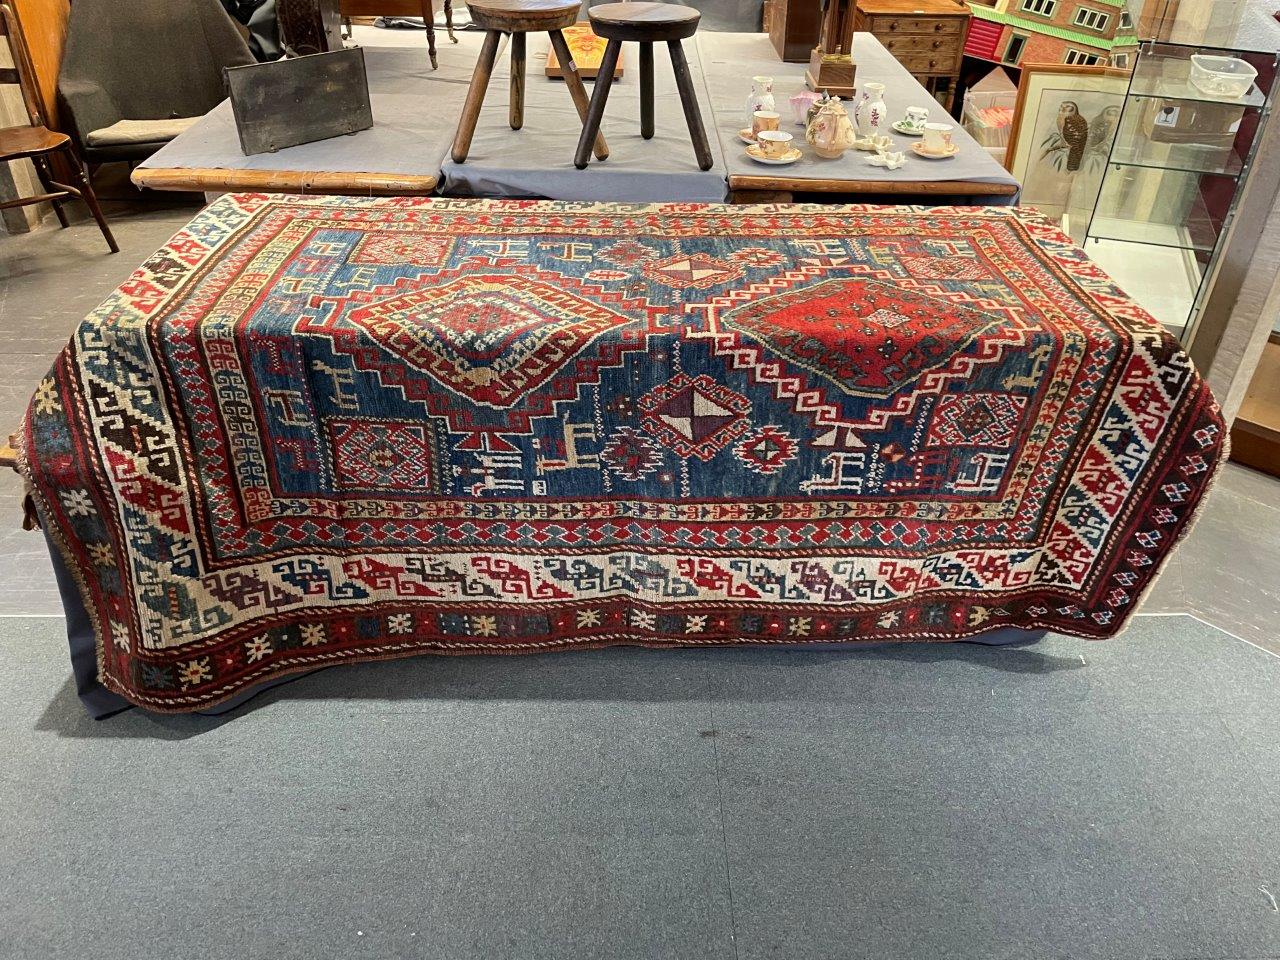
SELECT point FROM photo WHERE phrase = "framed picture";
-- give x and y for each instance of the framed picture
(1064, 123)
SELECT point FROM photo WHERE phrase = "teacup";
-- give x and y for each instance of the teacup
(916, 118)
(763, 120)
(774, 144)
(937, 138)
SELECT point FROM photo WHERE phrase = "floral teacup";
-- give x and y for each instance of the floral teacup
(915, 118)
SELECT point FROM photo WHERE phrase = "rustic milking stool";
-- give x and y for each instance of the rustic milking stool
(645, 23)
(518, 17)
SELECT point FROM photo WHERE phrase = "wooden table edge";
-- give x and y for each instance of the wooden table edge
(935, 187)
(222, 180)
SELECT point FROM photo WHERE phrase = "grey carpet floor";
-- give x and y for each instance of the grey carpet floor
(1067, 799)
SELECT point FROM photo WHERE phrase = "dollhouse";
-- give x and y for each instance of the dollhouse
(1013, 32)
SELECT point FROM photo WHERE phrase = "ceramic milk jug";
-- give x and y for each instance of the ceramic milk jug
(761, 97)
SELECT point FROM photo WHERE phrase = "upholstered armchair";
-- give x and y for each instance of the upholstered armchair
(134, 75)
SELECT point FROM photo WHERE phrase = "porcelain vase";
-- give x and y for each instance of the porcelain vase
(870, 115)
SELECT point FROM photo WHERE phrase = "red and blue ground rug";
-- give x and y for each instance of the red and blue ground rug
(320, 430)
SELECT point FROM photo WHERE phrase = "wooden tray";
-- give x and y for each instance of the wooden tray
(587, 49)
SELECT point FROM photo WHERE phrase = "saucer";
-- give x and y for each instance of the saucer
(907, 131)
(746, 136)
(919, 151)
(791, 156)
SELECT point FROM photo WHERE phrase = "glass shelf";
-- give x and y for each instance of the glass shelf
(1164, 77)
(1231, 169)
(1198, 236)
(1161, 207)
(1136, 147)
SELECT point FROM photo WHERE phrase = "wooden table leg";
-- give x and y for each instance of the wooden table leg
(429, 18)
(448, 20)
(646, 89)
(689, 98)
(516, 110)
(573, 81)
(475, 96)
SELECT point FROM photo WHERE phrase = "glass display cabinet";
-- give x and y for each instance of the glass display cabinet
(1186, 136)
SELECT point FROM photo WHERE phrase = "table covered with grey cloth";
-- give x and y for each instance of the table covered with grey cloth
(730, 60)
(415, 111)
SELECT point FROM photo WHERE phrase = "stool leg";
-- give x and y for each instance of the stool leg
(689, 98)
(448, 20)
(595, 112)
(475, 96)
(429, 18)
(517, 81)
(646, 89)
(577, 91)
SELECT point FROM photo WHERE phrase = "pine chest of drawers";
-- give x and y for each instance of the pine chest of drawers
(926, 36)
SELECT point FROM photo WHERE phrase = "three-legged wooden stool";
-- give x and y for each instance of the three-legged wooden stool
(644, 23)
(518, 17)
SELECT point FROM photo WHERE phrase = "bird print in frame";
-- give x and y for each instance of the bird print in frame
(1064, 126)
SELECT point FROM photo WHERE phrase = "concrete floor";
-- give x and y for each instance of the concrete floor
(1227, 573)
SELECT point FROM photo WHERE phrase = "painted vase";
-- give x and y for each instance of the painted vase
(870, 114)
(761, 97)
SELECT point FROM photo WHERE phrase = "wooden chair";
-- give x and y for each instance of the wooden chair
(644, 23)
(517, 18)
(36, 142)
(403, 8)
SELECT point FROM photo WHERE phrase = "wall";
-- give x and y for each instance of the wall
(1045, 49)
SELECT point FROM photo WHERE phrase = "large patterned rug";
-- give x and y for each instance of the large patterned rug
(320, 430)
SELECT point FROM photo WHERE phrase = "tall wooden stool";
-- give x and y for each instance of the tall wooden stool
(644, 23)
(518, 17)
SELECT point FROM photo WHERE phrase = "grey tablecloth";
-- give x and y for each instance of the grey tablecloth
(730, 60)
(537, 161)
(415, 111)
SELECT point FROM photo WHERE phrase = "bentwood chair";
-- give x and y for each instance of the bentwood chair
(36, 142)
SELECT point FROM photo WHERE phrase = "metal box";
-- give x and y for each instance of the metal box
(299, 100)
